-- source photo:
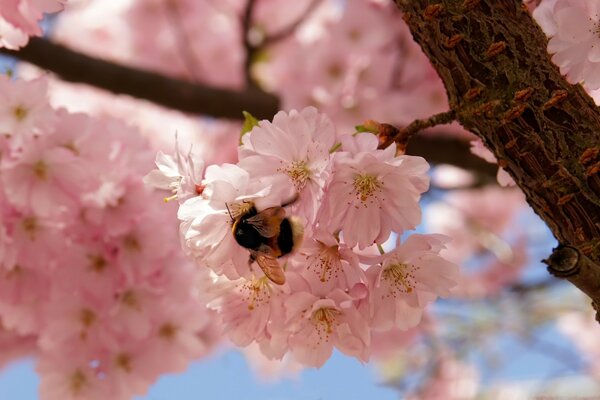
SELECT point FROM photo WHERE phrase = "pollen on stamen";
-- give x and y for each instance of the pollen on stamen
(299, 173)
(326, 263)
(256, 292)
(366, 186)
(40, 170)
(20, 112)
(78, 382)
(324, 320)
(30, 226)
(400, 277)
(167, 331)
(123, 361)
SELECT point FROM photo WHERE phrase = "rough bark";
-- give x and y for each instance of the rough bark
(545, 132)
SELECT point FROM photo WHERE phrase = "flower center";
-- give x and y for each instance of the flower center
(167, 331)
(30, 226)
(97, 262)
(87, 317)
(131, 300)
(256, 292)
(400, 277)
(366, 186)
(131, 243)
(124, 361)
(20, 112)
(78, 382)
(40, 169)
(324, 319)
(326, 264)
(298, 172)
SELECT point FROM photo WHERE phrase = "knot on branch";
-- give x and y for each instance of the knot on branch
(563, 262)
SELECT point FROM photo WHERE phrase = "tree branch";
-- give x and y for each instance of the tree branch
(503, 87)
(173, 93)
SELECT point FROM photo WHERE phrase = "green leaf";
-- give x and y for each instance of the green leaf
(361, 128)
(249, 122)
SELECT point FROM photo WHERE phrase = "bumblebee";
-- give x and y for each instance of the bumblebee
(268, 234)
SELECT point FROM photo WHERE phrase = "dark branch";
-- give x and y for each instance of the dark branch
(187, 97)
(173, 93)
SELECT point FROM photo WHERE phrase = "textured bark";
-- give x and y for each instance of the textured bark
(545, 132)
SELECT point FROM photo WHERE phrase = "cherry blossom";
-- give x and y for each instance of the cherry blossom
(295, 144)
(573, 27)
(405, 280)
(371, 192)
(20, 19)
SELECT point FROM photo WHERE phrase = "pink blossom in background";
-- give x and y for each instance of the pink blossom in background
(573, 27)
(20, 19)
(126, 291)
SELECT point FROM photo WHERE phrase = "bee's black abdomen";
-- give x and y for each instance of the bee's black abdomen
(285, 241)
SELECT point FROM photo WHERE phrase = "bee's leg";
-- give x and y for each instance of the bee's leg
(251, 260)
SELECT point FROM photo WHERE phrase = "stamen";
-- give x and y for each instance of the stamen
(78, 382)
(366, 186)
(256, 292)
(167, 331)
(299, 172)
(20, 112)
(325, 318)
(400, 277)
(40, 169)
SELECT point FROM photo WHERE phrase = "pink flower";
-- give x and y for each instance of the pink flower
(295, 144)
(326, 264)
(316, 325)
(69, 377)
(249, 308)
(408, 278)
(182, 174)
(45, 179)
(25, 14)
(574, 30)
(11, 37)
(372, 193)
(24, 109)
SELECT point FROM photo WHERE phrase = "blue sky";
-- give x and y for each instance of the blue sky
(227, 376)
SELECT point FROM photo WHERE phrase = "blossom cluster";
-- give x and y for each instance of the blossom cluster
(350, 59)
(352, 200)
(20, 19)
(92, 279)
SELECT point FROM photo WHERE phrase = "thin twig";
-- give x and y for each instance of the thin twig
(183, 40)
(402, 136)
(250, 48)
(290, 29)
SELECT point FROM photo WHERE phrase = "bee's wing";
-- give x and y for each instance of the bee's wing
(268, 221)
(270, 266)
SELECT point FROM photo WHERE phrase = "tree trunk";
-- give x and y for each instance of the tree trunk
(545, 132)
